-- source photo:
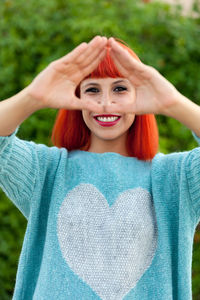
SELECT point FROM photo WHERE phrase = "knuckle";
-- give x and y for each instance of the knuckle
(83, 46)
(79, 60)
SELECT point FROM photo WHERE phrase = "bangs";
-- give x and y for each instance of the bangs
(106, 68)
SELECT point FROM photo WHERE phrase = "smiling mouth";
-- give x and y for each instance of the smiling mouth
(107, 120)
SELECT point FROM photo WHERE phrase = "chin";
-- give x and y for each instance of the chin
(109, 137)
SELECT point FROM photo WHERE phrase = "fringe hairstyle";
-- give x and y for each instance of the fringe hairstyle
(71, 132)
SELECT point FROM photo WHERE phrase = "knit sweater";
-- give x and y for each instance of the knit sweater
(102, 225)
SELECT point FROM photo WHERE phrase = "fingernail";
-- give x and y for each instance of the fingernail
(96, 37)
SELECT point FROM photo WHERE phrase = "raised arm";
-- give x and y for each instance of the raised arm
(186, 112)
(154, 93)
(15, 110)
(54, 87)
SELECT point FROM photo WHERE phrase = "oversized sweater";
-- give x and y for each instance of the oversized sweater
(102, 226)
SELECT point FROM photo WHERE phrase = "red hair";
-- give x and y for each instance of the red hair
(71, 132)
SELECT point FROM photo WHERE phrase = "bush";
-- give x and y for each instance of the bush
(34, 33)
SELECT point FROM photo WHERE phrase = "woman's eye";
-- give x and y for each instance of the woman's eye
(120, 89)
(92, 90)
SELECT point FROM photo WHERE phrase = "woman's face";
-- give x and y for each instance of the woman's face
(107, 126)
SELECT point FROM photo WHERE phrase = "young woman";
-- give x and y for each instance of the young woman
(108, 218)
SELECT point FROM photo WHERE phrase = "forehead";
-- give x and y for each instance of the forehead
(103, 81)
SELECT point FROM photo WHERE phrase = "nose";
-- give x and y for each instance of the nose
(106, 100)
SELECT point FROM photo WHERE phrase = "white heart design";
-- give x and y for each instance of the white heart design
(109, 248)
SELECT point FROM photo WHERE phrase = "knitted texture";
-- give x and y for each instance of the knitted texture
(102, 226)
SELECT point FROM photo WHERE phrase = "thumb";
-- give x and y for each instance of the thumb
(79, 104)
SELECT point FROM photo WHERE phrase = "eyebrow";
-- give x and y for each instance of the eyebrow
(97, 84)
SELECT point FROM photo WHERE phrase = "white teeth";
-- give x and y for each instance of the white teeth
(107, 119)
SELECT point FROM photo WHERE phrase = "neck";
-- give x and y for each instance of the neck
(101, 146)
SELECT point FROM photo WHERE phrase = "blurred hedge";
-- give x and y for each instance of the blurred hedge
(33, 33)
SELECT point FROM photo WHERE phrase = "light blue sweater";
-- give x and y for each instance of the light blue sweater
(102, 226)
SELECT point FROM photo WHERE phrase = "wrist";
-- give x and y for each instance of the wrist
(32, 103)
(186, 112)
(175, 106)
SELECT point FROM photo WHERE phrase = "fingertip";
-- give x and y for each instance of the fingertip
(97, 37)
(83, 45)
(104, 39)
(94, 39)
(99, 40)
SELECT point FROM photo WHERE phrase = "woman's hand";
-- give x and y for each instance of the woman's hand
(55, 86)
(154, 93)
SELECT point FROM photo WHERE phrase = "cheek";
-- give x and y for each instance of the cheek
(93, 98)
(130, 119)
(126, 97)
(90, 97)
(86, 117)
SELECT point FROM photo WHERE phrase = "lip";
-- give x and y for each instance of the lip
(107, 124)
(106, 115)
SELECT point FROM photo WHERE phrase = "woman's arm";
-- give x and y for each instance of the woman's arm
(154, 93)
(186, 112)
(15, 110)
(54, 87)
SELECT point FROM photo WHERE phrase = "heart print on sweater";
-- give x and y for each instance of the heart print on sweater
(108, 247)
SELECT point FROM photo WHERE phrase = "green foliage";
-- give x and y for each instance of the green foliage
(12, 226)
(196, 267)
(34, 33)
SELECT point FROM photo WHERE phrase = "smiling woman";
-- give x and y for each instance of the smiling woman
(108, 132)
(105, 85)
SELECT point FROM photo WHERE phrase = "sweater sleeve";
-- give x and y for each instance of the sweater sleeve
(193, 176)
(24, 167)
(177, 177)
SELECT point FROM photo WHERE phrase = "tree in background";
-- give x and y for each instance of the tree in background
(188, 6)
(34, 33)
